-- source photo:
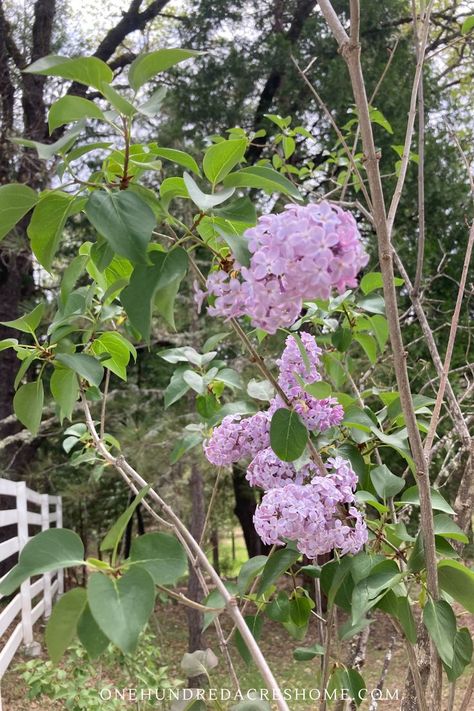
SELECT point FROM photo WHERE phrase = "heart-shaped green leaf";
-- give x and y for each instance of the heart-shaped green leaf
(122, 607)
(161, 555)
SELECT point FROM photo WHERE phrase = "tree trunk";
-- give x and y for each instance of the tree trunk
(245, 505)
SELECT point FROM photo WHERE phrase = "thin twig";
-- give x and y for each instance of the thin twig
(450, 347)
(104, 403)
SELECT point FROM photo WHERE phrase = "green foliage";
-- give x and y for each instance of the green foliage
(125, 220)
(288, 435)
(162, 555)
(85, 70)
(61, 627)
(16, 200)
(48, 550)
(76, 684)
(146, 66)
(121, 608)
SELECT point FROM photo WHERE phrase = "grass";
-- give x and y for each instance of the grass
(276, 645)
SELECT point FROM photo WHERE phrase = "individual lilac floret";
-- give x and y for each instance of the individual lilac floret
(302, 253)
(236, 438)
(292, 362)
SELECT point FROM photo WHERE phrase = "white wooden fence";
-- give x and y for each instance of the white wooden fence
(27, 606)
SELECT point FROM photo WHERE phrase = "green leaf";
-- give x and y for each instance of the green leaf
(249, 571)
(113, 537)
(462, 654)
(458, 581)
(171, 188)
(46, 151)
(124, 219)
(288, 435)
(49, 550)
(64, 389)
(467, 25)
(121, 607)
(279, 561)
(148, 65)
(118, 349)
(357, 418)
(342, 338)
(400, 608)
(152, 106)
(23, 369)
(348, 679)
(28, 405)
(84, 365)
(266, 179)
(61, 626)
(300, 610)
(216, 600)
(305, 654)
(179, 157)
(71, 108)
(185, 444)
(137, 298)
(220, 158)
(119, 102)
(372, 304)
(71, 274)
(28, 323)
(279, 608)
(162, 555)
(90, 635)
(90, 71)
(203, 200)
(176, 389)
(385, 483)
(320, 390)
(230, 377)
(438, 503)
(165, 300)
(47, 224)
(237, 244)
(255, 625)
(446, 527)
(440, 621)
(369, 344)
(8, 343)
(377, 116)
(16, 200)
(198, 663)
(380, 328)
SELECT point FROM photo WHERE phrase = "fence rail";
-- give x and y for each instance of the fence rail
(34, 598)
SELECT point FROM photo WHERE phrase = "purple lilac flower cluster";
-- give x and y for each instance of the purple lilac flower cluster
(302, 253)
(317, 511)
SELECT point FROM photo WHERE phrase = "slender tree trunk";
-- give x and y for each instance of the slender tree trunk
(245, 505)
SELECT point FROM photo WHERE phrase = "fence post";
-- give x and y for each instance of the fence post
(22, 508)
(59, 524)
(47, 576)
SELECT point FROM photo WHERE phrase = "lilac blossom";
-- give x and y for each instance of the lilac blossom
(311, 515)
(236, 438)
(302, 253)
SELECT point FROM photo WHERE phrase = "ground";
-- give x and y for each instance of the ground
(276, 645)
